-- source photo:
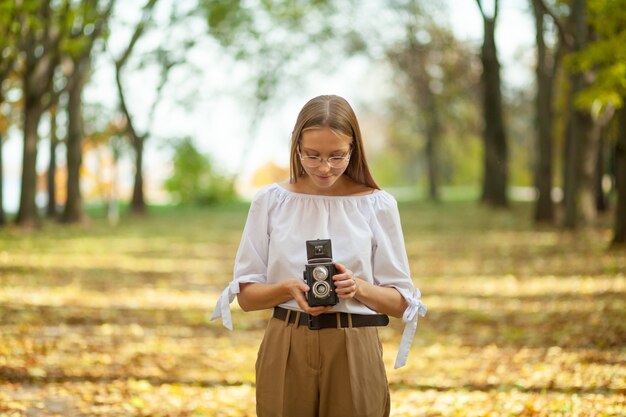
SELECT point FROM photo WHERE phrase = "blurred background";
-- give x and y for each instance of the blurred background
(168, 102)
(134, 133)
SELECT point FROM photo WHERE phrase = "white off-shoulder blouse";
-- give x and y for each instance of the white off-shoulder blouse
(366, 237)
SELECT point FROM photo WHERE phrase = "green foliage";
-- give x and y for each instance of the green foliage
(194, 180)
(226, 19)
(389, 169)
(462, 157)
(270, 35)
(605, 55)
(82, 22)
(10, 28)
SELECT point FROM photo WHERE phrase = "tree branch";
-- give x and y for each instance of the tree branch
(165, 70)
(129, 128)
(121, 61)
(480, 7)
(145, 17)
(566, 36)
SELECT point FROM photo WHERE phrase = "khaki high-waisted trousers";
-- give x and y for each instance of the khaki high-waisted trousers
(320, 373)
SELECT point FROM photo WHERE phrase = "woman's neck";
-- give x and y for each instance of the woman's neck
(344, 186)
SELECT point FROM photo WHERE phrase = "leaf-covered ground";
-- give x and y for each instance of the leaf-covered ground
(522, 321)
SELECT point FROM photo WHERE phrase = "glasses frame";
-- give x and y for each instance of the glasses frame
(345, 160)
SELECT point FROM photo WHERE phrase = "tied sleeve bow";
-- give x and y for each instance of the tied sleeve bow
(222, 307)
(415, 308)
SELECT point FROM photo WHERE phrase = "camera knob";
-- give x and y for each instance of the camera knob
(320, 273)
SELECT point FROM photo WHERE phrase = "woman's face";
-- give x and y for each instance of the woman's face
(326, 144)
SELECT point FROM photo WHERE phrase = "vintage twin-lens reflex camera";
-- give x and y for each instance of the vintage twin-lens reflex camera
(319, 272)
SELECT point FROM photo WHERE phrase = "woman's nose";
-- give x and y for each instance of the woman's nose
(324, 166)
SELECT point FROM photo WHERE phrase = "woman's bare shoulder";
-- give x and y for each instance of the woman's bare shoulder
(364, 191)
(287, 185)
(355, 189)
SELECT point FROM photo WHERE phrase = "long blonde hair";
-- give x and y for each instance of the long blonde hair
(335, 113)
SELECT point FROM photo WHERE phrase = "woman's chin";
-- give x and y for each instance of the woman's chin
(324, 182)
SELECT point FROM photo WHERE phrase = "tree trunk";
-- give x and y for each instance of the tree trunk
(427, 103)
(619, 231)
(570, 177)
(73, 206)
(41, 55)
(51, 211)
(27, 213)
(80, 64)
(544, 207)
(10, 51)
(600, 198)
(579, 200)
(138, 205)
(589, 159)
(432, 134)
(495, 154)
(3, 219)
(579, 166)
(113, 210)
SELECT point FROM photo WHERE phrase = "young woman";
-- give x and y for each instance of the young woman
(324, 360)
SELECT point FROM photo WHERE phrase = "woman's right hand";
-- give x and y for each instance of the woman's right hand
(297, 288)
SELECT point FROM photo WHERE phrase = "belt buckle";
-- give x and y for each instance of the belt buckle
(314, 322)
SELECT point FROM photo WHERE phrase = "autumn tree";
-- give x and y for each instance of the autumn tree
(606, 57)
(495, 173)
(135, 137)
(437, 71)
(619, 228)
(51, 205)
(414, 59)
(86, 26)
(241, 31)
(3, 129)
(580, 158)
(39, 45)
(545, 70)
(10, 24)
(164, 58)
(580, 151)
(271, 38)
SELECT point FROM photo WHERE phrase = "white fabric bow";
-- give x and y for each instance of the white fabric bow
(222, 307)
(415, 308)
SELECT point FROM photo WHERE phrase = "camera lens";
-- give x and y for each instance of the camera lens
(321, 289)
(320, 273)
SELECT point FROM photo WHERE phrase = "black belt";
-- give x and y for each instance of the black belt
(329, 320)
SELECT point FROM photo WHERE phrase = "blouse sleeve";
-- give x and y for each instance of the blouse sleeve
(391, 269)
(251, 259)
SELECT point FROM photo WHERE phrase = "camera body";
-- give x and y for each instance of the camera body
(318, 273)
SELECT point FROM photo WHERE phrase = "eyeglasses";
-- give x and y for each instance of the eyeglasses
(316, 161)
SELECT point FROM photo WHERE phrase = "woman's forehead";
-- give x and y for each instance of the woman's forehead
(324, 138)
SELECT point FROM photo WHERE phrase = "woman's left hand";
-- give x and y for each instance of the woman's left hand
(345, 282)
